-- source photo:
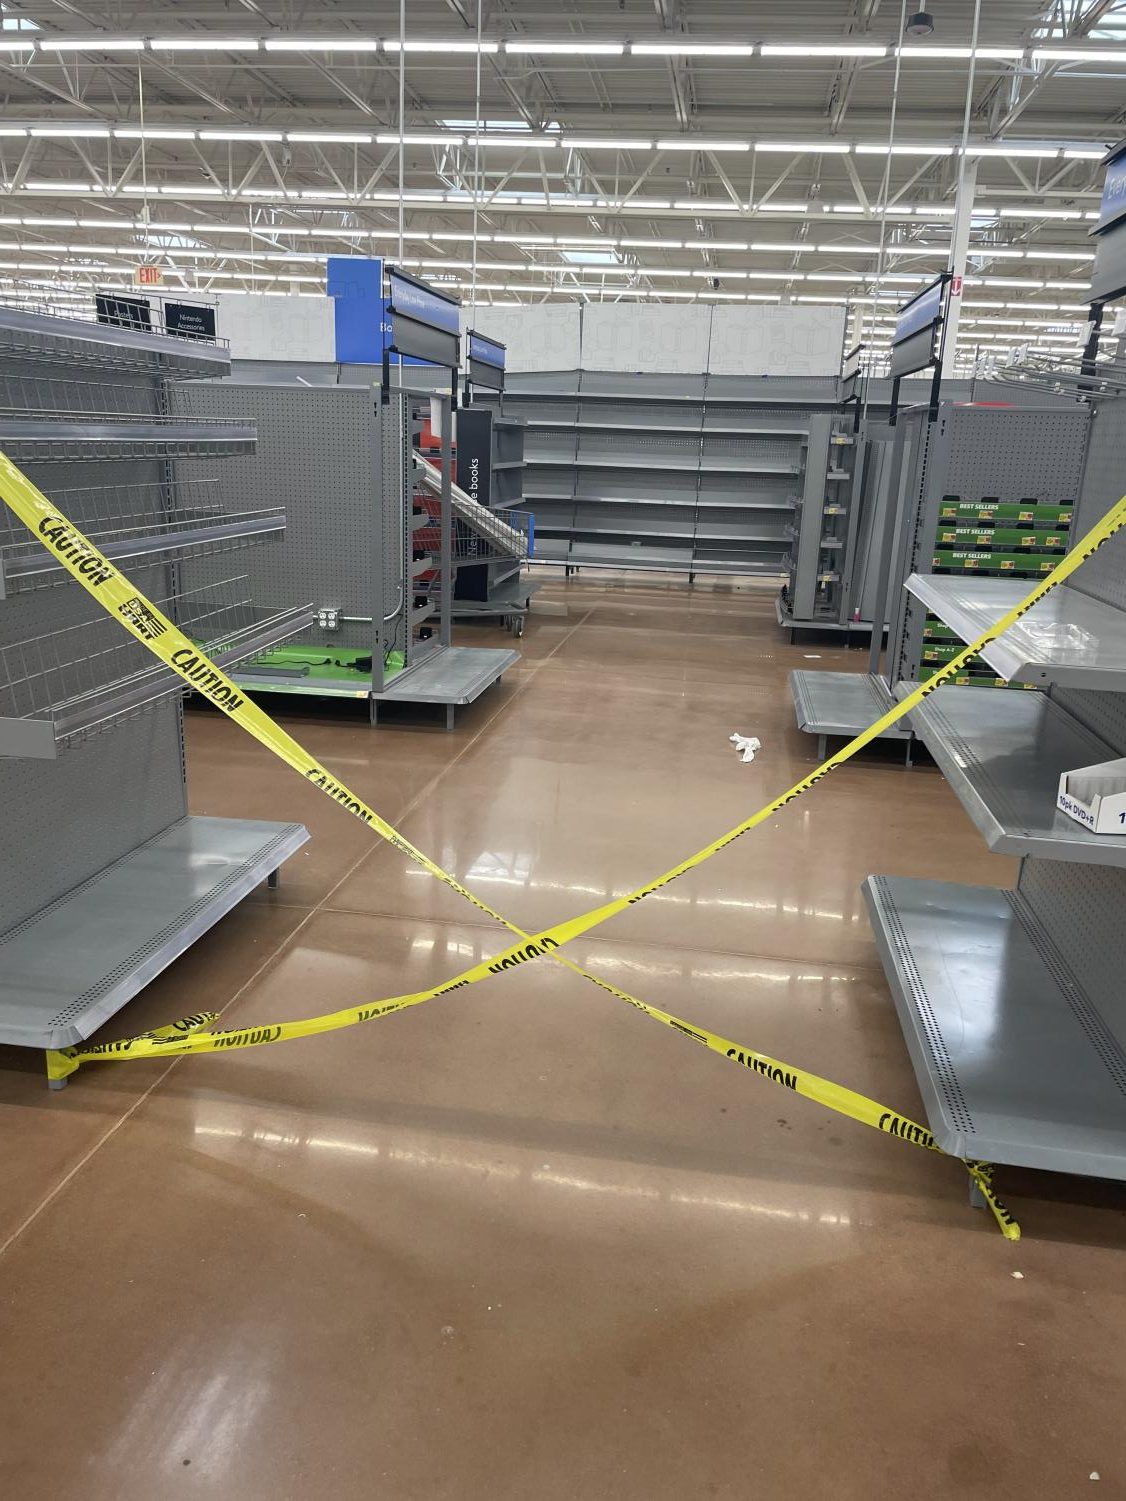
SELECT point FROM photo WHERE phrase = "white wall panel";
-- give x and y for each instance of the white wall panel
(541, 337)
(788, 340)
(277, 328)
(622, 336)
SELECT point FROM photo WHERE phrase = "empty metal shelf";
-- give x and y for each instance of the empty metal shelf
(181, 531)
(1003, 754)
(66, 971)
(58, 689)
(1014, 1059)
(78, 344)
(1068, 638)
(842, 703)
(27, 440)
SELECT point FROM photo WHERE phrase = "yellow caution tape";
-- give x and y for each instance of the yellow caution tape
(144, 621)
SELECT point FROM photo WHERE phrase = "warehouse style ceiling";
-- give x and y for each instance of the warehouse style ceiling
(657, 150)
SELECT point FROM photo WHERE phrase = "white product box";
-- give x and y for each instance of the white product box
(1095, 796)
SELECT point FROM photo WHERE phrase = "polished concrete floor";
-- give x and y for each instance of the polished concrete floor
(522, 1244)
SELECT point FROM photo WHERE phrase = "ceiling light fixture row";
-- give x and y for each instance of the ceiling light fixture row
(516, 202)
(107, 42)
(551, 140)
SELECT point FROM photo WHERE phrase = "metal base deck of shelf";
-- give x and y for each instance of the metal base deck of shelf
(451, 675)
(847, 628)
(841, 703)
(1014, 1060)
(68, 969)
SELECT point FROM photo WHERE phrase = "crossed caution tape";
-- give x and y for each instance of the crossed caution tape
(142, 619)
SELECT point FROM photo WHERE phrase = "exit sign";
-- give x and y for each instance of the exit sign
(148, 276)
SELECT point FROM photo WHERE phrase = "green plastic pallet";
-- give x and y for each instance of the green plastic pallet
(1021, 564)
(1034, 539)
(1014, 513)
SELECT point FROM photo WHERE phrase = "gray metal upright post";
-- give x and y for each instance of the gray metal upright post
(812, 519)
(446, 548)
(883, 581)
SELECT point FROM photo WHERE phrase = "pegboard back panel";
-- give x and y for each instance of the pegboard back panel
(1080, 909)
(1013, 455)
(318, 456)
(1103, 713)
(1104, 481)
(67, 819)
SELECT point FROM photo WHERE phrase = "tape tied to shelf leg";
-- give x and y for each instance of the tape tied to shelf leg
(144, 621)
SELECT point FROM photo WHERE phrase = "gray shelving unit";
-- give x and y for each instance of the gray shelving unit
(362, 541)
(1010, 454)
(105, 878)
(1011, 1001)
(682, 474)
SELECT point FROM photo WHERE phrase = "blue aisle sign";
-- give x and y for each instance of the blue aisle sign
(485, 350)
(922, 310)
(1113, 204)
(412, 300)
(363, 328)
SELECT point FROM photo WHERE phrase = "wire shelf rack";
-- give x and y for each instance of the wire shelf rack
(150, 520)
(53, 334)
(67, 685)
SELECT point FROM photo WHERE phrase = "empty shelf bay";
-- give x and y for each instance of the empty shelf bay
(66, 971)
(58, 689)
(1067, 638)
(1003, 754)
(1014, 1057)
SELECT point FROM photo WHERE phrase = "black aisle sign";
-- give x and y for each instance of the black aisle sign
(191, 320)
(122, 312)
(425, 323)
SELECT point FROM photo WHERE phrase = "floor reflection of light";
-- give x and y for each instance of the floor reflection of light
(487, 1167)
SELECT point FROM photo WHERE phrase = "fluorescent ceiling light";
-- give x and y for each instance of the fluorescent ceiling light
(695, 143)
(328, 136)
(782, 208)
(152, 133)
(688, 49)
(397, 46)
(904, 150)
(321, 44)
(421, 138)
(837, 147)
(513, 141)
(211, 43)
(1043, 153)
(240, 135)
(623, 143)
(1000, 53)
(817, 49)
(716, 245)
(1077, 55)
(10, 44)
(13, 130)
(70, 130)
(577, 49)
(93, 43)
(1040, 213)
(1084, 153)
(651, 244)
